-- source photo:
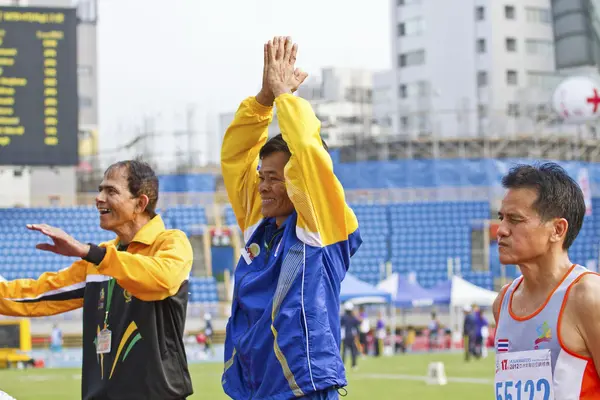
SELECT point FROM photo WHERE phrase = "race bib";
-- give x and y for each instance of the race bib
(524, 375)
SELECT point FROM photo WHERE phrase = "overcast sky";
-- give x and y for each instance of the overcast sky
(156, 57)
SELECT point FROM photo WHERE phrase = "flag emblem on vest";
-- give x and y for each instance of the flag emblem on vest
(502, 345)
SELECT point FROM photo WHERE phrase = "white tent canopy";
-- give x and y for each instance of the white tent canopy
(465, 293)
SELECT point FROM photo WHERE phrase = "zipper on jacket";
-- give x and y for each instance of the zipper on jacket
(237, 296)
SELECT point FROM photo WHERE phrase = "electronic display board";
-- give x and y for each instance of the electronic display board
(38, 86)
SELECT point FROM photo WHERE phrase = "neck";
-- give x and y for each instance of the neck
(280, 220)
(127, 232)
(541, 276)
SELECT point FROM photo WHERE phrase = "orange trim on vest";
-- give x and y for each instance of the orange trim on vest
(502, 295)
(590, 385)
(560, 315)
(540, 308)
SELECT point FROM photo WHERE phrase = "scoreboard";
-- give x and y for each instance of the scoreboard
(38, 86)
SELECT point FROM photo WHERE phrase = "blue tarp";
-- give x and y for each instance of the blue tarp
(406, 293)
(354, 288)
(443, 173)
(442, 292)
(187, 183)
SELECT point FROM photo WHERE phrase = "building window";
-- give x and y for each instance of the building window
(479, 13)
(482, 78)
(411, 58)
(539, 47)
(412, 90)
(511, 44)
(85, 102)
(482, 110)
(543, 79)
(509, 12)
(511, 77)
(422, 121)
(538, 15)
(422, 88)
(411, 27)
(404, 122)
(481, 45)
(403, 91)
(513, 110)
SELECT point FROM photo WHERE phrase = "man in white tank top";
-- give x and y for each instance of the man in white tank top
(548, 321)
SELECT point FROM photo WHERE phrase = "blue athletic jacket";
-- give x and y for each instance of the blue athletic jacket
(283, 336)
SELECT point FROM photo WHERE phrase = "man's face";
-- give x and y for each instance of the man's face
(522, 235)
(114, 201)
(275, 200)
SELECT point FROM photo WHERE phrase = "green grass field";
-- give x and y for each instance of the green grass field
(387, 378)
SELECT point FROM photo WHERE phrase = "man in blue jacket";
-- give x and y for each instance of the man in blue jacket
(283, 336)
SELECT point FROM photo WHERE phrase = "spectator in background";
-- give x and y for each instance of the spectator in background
(469, 327)
(379, 335)
(56, 339)
(350, 325)
(365, 327)
(480, 323)
(411, 337)
(208, 333)
(434, 331)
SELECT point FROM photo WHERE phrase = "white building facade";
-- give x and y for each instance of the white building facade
(471, 68)
(384, 112)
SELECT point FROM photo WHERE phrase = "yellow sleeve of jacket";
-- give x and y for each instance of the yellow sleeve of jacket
(52, 293)
(239, 160)
(324, 218)
(151, 277)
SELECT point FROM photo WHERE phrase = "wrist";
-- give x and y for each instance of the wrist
(265, 98)
(95, 254)
(84, 250)
(281, 89)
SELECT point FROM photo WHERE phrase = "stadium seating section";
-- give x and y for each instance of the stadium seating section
(420, 238)
(411, 237)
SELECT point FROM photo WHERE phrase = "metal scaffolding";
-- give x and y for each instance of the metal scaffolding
(570, 147)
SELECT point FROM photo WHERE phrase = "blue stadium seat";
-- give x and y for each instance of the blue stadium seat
(203, 290)
(188, 218)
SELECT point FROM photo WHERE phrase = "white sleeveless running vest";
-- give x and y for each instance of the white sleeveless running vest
(531, 361)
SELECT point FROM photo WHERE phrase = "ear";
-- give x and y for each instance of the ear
(143, 201)
(561, 226)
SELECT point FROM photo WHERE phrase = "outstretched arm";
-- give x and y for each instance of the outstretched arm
(52, 293)
(149, 278)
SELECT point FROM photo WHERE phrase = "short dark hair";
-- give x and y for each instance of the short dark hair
(559, 196)
(141, 179)
(276, 144)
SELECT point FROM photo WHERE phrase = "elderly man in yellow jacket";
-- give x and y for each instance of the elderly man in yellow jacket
(133, 290)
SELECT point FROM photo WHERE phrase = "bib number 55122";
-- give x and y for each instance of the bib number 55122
(519, 390)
